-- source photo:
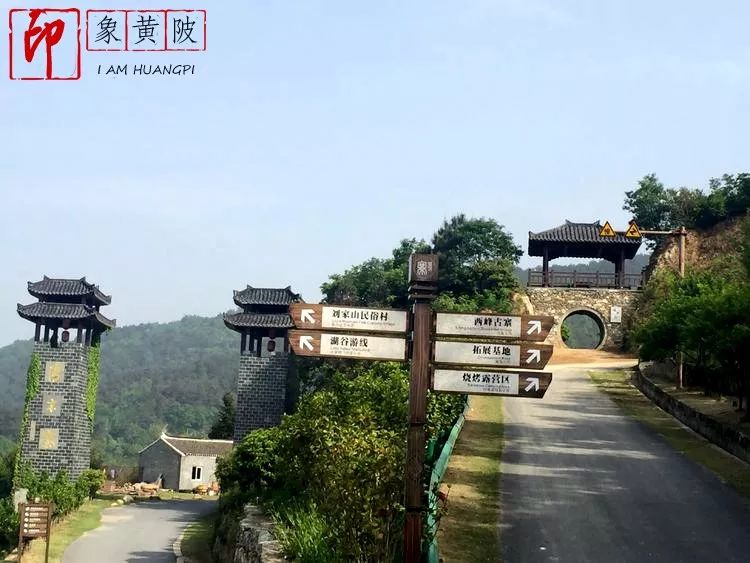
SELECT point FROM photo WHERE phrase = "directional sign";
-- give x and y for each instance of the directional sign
(35, 519)
(633, 231)
(355, 346)
(527, 356)
(334, 317)
(513, 384)
(607, 230)
(526, 327)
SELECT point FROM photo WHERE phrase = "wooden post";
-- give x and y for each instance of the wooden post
(681, 263)
(545, 267)
(49, 532)
(423, 276)
(21, 508)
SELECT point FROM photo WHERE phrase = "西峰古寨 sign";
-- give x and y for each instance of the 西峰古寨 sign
(526, 327)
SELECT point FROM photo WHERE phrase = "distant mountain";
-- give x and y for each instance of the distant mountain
(153, 376)
(634, 266)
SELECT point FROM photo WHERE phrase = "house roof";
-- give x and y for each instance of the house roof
(65, 311)
(258, 320)
(581, 232)
(55, 287)
(265, 296)
(581, 240)
(197, 446)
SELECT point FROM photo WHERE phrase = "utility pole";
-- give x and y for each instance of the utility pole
(423, 277)
(682, 233)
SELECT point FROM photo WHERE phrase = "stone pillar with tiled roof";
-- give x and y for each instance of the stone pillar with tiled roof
(63, 376)
(265, 362)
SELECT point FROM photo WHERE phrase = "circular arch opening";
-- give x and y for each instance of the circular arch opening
(583, 329)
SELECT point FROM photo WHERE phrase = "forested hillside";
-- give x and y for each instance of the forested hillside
(153, 376)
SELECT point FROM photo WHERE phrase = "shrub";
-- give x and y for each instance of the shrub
(339, 462)
(89, 482)
(8, 524)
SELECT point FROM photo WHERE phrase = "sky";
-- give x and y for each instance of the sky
(315, 135)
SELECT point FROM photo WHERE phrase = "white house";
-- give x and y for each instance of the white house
(183, 463)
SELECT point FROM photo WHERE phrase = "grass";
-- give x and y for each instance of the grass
(728, 468)
(469, 531)
(66, 532)
(198, 538)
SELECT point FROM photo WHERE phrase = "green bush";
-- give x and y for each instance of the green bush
(338, 461)
(8, 524)
(89, 482)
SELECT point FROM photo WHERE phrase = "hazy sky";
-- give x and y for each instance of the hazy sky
(315, 135)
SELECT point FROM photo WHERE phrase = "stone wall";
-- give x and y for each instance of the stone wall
(57, 436)
(247, 540)
(561, 302)
(726, 437)
(261, 392)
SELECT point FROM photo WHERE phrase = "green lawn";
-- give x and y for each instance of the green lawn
(469, 531)
(728, 468)
(67, 531)
(197, 539)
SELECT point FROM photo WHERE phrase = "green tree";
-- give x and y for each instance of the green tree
(649, 204)
(223, 427)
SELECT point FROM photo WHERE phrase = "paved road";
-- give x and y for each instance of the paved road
(137, 533)
(584, 483)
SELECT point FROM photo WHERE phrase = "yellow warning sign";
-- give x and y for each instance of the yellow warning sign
(633, 231)
(607, 230)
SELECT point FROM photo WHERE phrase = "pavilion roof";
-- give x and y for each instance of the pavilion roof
(63, 311)
(58, 287)
(265, 296)
(581, 240)
(237, 321)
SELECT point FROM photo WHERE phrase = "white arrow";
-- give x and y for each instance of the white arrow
(534, 356)
(534, 326)
(306, 342)
(307, 316)
(533, 384)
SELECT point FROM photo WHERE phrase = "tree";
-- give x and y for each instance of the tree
(223, 427)
(649, 204)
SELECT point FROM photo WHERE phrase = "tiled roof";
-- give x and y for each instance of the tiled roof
(50, 287)
(265, 296)
(71, 311)
(580, 232)
(194, 446)
(258, 320)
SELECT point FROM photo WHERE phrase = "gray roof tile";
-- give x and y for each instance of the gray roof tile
(258, 320)
(265, 296)
(580, 232)
(50, 287)
(69, 311)
(193, 446)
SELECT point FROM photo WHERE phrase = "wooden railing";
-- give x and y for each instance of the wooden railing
(585, 279)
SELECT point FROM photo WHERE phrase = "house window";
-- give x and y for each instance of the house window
(196, 473)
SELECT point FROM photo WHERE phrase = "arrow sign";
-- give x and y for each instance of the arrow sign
(354, 346)
(528, 356)
(334, 317)
(534, 357)
(511, 384)
(526, 327)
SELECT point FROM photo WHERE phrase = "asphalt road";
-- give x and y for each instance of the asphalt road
(584, 483)
(137, 533)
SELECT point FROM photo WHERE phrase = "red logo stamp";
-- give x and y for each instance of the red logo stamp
(45, 44)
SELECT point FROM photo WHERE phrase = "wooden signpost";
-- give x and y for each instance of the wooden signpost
(527, 356)
(511, 384)
(533, 328)
(35, 522)
(446, 364)
(347, 345)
